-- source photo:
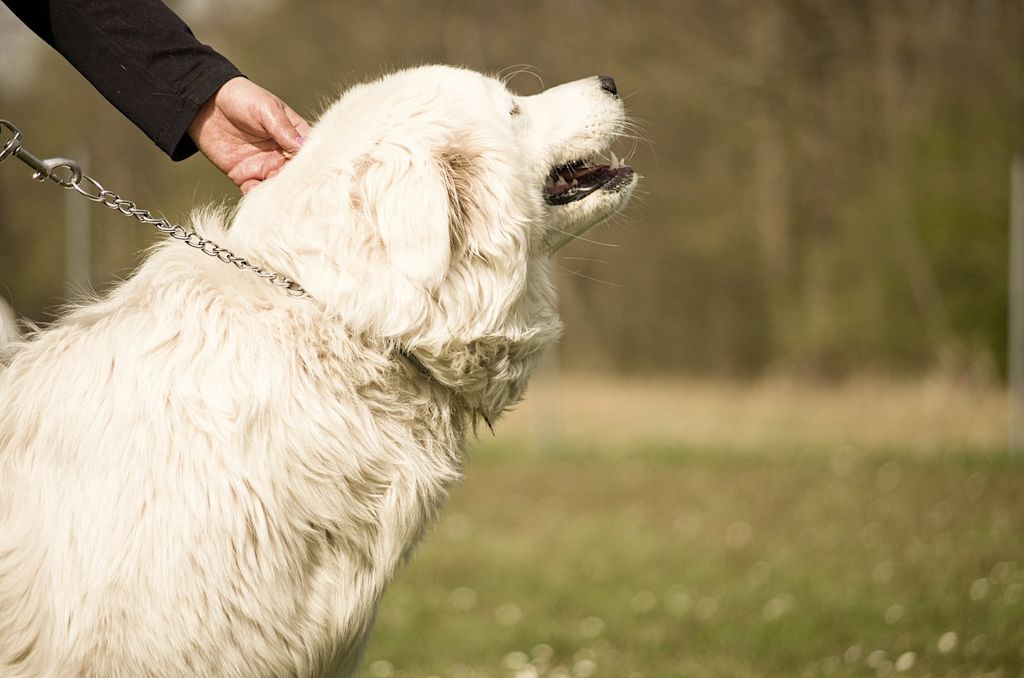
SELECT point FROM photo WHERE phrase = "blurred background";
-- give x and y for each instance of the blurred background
(774, 439)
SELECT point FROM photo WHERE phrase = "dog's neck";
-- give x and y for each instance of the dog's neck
(481, 349)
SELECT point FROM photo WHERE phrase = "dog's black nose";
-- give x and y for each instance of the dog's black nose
(608, 85)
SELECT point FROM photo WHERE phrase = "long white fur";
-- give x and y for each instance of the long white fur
(203, 476)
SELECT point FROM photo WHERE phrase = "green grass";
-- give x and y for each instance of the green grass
(663, 561)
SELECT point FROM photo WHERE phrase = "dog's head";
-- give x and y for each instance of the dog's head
(424, 210)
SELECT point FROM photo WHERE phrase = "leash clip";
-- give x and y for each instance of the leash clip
(11, 145)
(62, 171)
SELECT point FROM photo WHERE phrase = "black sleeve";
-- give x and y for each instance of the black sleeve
(139, 55)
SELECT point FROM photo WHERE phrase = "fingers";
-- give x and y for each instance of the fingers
(285, 126)
(300, 123)
(255, 169)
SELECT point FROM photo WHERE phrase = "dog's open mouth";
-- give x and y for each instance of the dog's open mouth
(576, 180)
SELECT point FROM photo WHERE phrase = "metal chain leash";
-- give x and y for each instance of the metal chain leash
(66, 173)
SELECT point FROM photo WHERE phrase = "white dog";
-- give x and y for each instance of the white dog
(201, 475)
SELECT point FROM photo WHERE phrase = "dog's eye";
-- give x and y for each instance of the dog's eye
(515, 109)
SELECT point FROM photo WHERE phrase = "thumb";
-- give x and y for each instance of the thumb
(281, 129)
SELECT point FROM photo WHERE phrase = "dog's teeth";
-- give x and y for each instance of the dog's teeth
(615, 161)
(574, 182)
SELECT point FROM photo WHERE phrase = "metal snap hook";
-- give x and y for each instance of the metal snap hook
(63, 171)
(12, 145)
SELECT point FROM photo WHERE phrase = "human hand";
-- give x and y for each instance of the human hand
(247, 132)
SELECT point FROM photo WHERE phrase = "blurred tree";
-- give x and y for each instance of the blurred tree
(824, 188)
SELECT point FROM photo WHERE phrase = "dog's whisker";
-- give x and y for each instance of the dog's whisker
(634, 132)
(581, 274)
(585, 259)
(512, 71)
(576, 236)
(520, 69)
(636, 138)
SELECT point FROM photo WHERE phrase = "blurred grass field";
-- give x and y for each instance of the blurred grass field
(699, 529)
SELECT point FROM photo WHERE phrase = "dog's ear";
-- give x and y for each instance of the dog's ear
(409, 195)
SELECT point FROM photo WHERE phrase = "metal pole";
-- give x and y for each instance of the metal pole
(78, 240)
(547, 422)
(1016, 310)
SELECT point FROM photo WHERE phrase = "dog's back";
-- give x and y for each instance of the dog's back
(221, 493)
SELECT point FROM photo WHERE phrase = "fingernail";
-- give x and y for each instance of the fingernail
(301, 140)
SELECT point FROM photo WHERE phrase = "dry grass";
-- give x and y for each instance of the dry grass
(628, 545)
(914, 416)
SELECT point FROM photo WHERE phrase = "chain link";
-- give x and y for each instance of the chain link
(67, 174)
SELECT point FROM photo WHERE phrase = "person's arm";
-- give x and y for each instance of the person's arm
(140, 56)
